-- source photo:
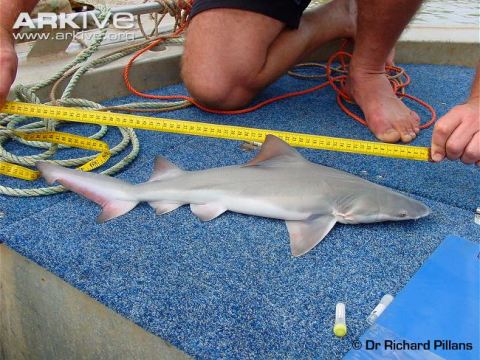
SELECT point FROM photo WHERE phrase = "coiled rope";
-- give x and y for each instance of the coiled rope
(75, 70)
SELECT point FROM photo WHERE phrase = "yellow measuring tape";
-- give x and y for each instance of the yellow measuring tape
(210, 130)
(56, 137)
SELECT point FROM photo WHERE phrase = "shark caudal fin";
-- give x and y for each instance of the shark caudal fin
(113, 195)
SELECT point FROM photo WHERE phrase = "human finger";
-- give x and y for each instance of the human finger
(472, 151)
(459, 139)
(441, 132)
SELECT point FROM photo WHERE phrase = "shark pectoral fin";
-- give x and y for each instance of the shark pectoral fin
(206, 212)
(305, 235)
(162, 207)
(164, 169)
(115, 208)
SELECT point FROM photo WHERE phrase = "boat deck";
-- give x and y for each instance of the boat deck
(229, 288)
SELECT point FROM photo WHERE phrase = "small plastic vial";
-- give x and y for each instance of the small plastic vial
(382, 305)
(340, 327)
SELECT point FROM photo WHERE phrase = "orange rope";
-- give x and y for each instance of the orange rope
(397, 85)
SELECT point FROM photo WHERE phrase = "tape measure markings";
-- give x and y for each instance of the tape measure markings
(217, 130)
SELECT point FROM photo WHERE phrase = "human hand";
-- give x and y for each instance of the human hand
(8, 63)
(8, 57)
(457, 134)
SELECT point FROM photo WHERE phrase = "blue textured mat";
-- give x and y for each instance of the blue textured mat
(229, 287)
(439, 309)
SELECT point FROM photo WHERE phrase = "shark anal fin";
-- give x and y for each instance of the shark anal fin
(162, 207)
(305, 235)
(164, 169)
(115, 208)
(207, 212)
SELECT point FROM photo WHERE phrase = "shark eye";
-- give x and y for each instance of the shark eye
(403, 214)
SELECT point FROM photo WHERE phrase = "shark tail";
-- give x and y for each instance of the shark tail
(116, 197)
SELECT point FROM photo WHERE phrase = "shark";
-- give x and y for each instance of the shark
(277, 183)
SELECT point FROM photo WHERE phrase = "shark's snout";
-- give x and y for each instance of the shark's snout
(408, 209)
(418, 210)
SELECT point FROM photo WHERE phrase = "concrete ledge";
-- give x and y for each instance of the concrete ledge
(153, 70)
(418, 44)
(42, 317)
(439, 53)
(422, 44)
(442, 45)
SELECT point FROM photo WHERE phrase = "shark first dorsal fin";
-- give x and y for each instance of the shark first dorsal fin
(164, 169)
(272, 148)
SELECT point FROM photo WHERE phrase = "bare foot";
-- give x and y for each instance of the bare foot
(334, 20)
(390, 58)
(387, 116)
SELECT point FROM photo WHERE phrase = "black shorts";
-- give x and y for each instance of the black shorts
(287, 11)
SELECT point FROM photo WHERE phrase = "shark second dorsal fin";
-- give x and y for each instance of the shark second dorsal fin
(272, 148)
(164, 169)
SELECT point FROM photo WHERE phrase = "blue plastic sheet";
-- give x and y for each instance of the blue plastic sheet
(436, 316)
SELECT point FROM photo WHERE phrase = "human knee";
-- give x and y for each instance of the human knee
(217, 90)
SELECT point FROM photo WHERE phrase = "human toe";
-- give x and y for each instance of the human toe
(389, 136)
(407, 136)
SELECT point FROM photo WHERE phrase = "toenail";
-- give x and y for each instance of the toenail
(437, 157)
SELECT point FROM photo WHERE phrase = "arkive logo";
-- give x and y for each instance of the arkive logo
(120, 20)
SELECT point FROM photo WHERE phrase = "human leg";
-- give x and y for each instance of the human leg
(231, 54)
(380, 24)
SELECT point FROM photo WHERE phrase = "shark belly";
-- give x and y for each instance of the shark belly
(263, 208)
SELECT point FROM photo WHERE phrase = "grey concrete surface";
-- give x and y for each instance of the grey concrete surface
(418, 45)
(44, 318)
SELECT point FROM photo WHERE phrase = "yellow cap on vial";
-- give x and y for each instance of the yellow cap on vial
(340, 330)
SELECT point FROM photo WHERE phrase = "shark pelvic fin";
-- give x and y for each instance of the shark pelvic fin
(115, 208)
(162, 207)
(305, 235)
(207, 212)
(164, 169)
(272, 148)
